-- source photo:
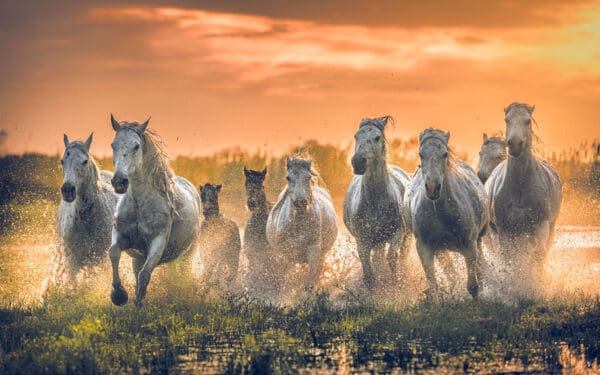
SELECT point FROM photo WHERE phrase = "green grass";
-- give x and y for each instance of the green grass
(77, 332)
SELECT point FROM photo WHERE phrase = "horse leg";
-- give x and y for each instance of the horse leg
(427, 261)
(315, 265)
(471, 258)
(155, 251)
(118, 295)
(364, 253)
(398, 250)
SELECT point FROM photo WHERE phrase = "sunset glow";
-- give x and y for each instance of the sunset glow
(267, 79)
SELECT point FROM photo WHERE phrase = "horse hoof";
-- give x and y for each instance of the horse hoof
(118, 296)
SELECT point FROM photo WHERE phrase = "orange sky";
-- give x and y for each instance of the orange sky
(268, 74)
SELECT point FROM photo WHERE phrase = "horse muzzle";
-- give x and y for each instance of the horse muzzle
(301, 205)
(482, 177)
(120, 184)
(359, 165)
(515, 147)
(433, 191)
(68, 192)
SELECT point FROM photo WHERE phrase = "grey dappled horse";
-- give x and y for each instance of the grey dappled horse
(85, 214)
(374, 202)
(302, 225)
(525, 195)
(158, 213)
(447, 209)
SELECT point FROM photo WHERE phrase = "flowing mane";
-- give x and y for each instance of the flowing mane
(156, 161)
(432, 134)
(91, 162)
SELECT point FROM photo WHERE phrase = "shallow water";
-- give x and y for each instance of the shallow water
(573, 265)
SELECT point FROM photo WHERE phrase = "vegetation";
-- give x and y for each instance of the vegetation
(235, 334)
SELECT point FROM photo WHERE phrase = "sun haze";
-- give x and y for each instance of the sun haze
(269, 74)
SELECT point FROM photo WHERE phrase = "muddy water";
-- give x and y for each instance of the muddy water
(572, 265)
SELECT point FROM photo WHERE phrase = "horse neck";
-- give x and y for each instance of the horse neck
(90, 192)
(521, 168)
(139, 184)
(376, 179)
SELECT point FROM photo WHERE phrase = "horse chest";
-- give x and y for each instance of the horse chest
(440, 228)
(138, 222)
(518, 213)
(377, 222)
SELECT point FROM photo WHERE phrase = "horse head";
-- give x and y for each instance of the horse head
(75, 167)
(209, 194)
(369, 143)
(518, 118)
(434, 154)
(255, 190)
(128, 151)
(492, 153)
(299, 183)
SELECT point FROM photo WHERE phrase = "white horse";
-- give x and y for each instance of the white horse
(447, 209)
(374, 202)
(525, 195)
(85, 214)
(302, 225)
(492, 153)
(158, 214)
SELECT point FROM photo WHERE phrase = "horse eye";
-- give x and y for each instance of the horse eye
(288, 178)
(62, 162)
(528, 121)
(137, 147)
(377, 139)
(85, 162)
(445, 155)
(68, 153)
(421, 155)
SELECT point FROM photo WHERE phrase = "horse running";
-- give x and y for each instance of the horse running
(158, 213)
(525, 195)
(302, 225)
(374, 202)
(85, 214)
(447, 209)
(492, 153)
(219, 238)
(259, 253)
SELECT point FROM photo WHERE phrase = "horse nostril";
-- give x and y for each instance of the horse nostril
(68, 192)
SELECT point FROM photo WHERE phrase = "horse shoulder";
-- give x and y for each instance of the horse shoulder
(352, 200)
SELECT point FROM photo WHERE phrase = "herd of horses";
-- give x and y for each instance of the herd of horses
(142, 208)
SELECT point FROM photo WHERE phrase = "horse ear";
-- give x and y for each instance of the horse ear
(200, 187)
(531, 109)
(219, 186)
(143, 127)
(115, 124)
(288, 161)
(485, 138)
(506, 110)
(66, 140)
(88, 142)
(447, 135)
(264, 172)
(245, 171)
